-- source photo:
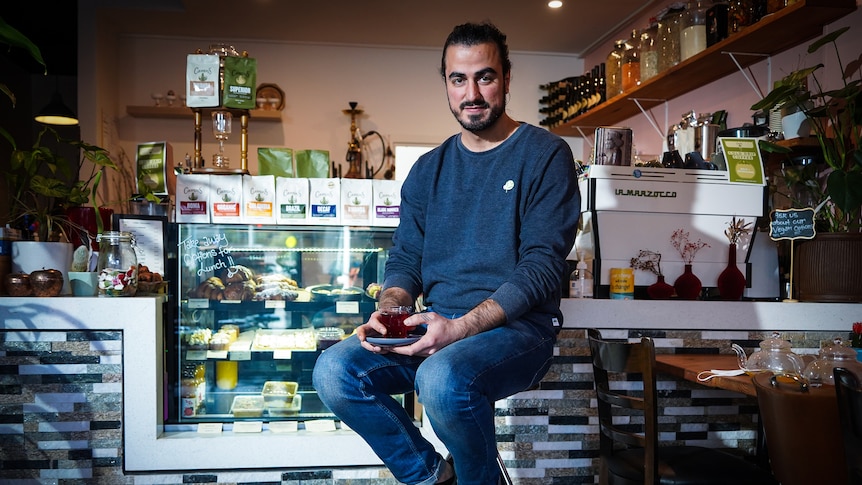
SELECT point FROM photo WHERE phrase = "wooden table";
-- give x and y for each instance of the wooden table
(688, 366)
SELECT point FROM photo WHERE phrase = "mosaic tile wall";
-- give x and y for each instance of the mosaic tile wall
(61, 397)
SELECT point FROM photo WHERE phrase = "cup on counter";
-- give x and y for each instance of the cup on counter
(393, 318)
(84, 283)
(328, 336)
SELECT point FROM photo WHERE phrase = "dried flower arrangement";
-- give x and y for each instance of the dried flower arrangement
(647, 260)
(736, 229)
(687, 249)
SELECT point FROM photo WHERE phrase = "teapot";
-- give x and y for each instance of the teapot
(774, 355)
(819, 371)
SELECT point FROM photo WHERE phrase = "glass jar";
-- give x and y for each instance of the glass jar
(118, 264)
(649, 53)
(630, 69)
(737, 16)
(613, 69)
(692, 38)
(669, 28)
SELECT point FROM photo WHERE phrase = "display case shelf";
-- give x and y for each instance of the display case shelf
(183, 112)
(772, 34)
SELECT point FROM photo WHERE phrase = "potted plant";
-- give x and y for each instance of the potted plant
(42, 183)
(832, 187)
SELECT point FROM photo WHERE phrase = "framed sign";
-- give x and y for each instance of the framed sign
(744, 164)
(150, 238)
(791, 224)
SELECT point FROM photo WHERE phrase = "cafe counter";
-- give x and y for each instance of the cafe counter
(712, 315)
(100, 362)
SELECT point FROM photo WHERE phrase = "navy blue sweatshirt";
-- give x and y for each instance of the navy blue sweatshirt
(497, 224)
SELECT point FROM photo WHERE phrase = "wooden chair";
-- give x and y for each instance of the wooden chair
(849, 394)
(630, 454)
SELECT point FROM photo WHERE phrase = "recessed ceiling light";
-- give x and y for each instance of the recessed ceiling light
(555, 3)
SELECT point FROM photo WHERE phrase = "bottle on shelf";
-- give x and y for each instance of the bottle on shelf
(693, 32)
(602, 83)
(631, 64)
(717, 18)
(649, 53)
(613, 69)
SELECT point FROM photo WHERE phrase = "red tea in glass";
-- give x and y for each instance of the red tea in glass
(393, 318)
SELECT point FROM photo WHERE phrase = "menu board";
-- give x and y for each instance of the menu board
(149, 236)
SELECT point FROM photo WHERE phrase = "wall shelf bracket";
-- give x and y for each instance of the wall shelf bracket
(745, 73)
(649, 116)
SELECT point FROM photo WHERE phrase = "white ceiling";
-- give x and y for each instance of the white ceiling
(576, 28)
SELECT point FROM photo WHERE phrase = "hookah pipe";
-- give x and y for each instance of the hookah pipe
(354, 146)
(354, 149)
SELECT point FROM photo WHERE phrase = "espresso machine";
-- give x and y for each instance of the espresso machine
(625, 209)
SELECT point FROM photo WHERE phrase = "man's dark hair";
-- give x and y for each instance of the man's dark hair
(474, 34)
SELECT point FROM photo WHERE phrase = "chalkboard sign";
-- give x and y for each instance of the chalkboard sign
(791, 224)
(208, 254)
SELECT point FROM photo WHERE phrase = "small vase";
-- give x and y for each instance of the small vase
(688, 285)
(731, 281)
(660, 290)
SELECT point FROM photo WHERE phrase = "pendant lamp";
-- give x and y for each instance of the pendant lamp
(56, 112)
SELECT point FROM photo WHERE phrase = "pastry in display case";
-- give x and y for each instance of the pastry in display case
(257, 305)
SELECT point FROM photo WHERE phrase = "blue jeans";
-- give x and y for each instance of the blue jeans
(457, 386)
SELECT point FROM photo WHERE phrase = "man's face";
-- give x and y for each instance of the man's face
(475, 85)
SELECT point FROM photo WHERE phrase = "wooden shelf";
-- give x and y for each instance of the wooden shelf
(774, 33)
(180, 112)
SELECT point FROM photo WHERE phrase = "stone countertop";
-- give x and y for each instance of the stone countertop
(708, 315)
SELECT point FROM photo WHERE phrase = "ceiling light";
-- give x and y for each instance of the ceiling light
(56, 112)
(555, 3)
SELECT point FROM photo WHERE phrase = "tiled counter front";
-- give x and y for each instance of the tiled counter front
(62, 387)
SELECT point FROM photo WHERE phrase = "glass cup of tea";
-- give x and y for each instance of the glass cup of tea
(392, 317)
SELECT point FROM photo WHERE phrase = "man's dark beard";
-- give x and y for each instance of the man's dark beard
(475, 122)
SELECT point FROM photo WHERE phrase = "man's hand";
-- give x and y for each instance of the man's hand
(440, 331)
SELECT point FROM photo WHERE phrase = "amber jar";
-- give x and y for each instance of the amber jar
(630, 71)
(737, 16)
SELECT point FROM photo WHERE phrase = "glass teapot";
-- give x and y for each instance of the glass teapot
(774, 355)
(819, 371)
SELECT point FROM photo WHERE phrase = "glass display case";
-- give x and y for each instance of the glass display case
(257, 306)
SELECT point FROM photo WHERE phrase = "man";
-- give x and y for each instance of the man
(487, 220)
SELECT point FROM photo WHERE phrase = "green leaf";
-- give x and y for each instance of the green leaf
(8, 138)
(48, 187)
(9, 93)
(11, 36)
(826, 39)
(845, 189)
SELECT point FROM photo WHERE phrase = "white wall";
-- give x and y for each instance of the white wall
(399, 89)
